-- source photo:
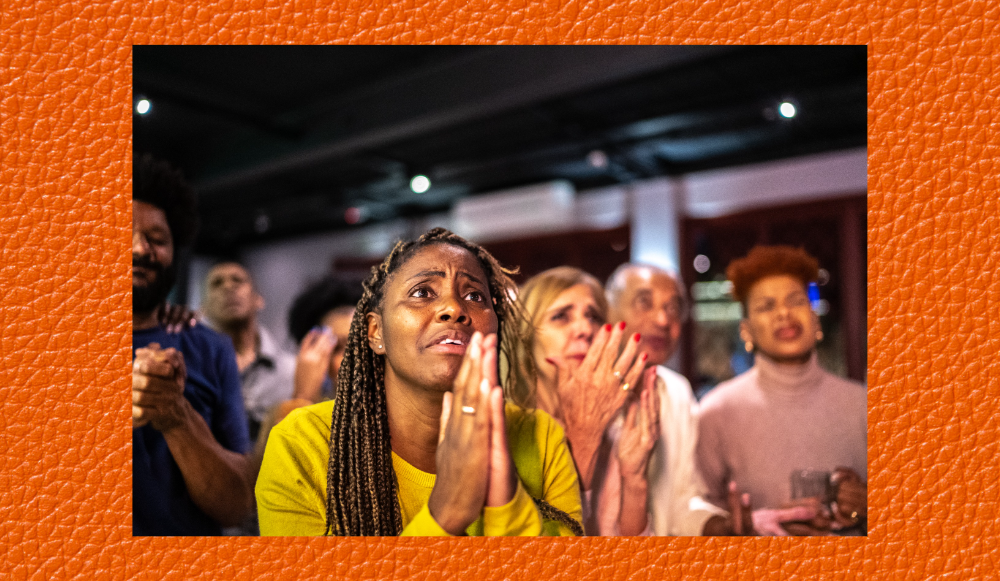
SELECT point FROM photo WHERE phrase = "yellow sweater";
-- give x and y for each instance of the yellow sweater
(291, 488)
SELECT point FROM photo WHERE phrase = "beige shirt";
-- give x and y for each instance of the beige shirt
(763, 424)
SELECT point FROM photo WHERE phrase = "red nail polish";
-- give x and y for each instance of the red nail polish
(607, 327)
(645, 356)
(621, 325)
(636, 337)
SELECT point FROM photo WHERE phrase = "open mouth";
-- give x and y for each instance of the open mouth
(451, 342)
(789, 333)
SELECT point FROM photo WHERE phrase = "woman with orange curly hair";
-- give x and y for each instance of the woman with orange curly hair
(786, 414)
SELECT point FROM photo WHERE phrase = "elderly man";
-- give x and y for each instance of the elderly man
(190, 475)
(652, 303)
(267, 373)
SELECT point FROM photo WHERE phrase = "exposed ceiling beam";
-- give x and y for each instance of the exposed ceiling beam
(488, 83)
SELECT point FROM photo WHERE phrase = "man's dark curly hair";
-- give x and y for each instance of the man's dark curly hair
(159, 184)
(318, 299)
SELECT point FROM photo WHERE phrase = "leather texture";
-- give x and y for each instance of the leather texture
(65, 124)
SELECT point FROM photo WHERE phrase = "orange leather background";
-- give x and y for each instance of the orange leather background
(65, 124)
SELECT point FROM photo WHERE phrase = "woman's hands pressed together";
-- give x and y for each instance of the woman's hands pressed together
(474, 467)
(592, 394)
(640, 431)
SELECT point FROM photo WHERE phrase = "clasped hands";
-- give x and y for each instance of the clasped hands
(474, 466)
(158, 387)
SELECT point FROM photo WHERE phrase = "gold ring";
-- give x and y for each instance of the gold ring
(625, 387)
(468, 409)
(854, 515)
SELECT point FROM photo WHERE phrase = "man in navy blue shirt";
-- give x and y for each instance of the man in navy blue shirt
(190, 471)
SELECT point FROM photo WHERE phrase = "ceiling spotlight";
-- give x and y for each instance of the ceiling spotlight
(420, 184)
(597, 159)
(262, 223)
(142, 106)
(787, 110)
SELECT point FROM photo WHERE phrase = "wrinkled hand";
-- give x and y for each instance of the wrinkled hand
(313, 362)
(176, 318)
(640, 430)
(851, 505)
(464, 456)
(158, 387)
(590, 395)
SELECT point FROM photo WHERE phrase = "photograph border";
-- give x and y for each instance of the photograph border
(65, 115)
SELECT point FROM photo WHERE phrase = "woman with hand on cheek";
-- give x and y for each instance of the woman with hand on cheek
(570, 367)
(418, 440)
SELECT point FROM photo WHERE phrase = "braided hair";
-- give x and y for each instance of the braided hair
(361, 483)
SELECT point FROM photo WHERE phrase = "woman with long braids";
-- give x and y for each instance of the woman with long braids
(418, 439)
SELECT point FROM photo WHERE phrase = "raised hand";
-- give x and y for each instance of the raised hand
(158, 387)
(313, 362)
(463, 452)
(592, 394)
(503, 476)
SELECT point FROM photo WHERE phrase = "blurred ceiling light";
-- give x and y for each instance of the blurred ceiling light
(262, 223)
(352, 215)
(787, 110)
(420, 184)
(142, 106)
(702, 263)
(597, 159)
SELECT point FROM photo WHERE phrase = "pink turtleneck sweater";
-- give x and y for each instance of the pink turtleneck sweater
(760, 426)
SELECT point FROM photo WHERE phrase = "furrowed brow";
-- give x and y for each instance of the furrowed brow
(470, 277)
(427, 274)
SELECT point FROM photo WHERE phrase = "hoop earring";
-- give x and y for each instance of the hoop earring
(748, 346)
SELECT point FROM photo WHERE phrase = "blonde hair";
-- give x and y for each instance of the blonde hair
(536, 295)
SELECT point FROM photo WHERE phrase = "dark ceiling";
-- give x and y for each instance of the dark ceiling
(282, 141)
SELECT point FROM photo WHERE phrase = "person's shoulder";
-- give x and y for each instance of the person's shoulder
(845, 389)
(676, 384)
(201, 335)
(844, 382)
(270, 347)
(522, 422)
(727, 393)
(309, 420)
